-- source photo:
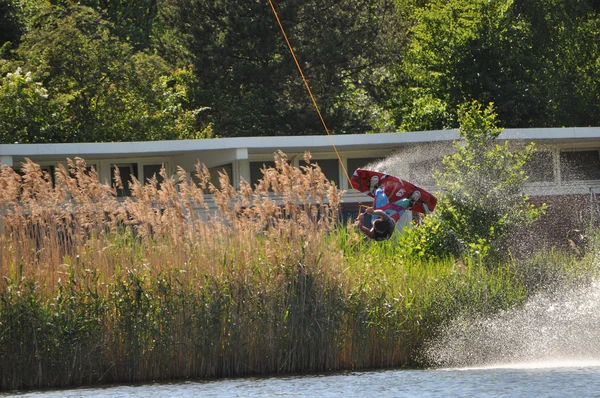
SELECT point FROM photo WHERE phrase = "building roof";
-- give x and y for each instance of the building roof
(257, 145)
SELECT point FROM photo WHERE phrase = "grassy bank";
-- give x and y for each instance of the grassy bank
(95, 290)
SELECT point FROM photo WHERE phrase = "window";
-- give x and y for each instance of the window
(151, 170)
(214, 175)
(580, 165)
(255, 170)
(329, 167)
(50, 171)
(127, 171)
(359, 163)
(421, 173)
(540, 168)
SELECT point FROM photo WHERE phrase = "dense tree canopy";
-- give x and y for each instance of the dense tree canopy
(249, 79)
(99, 88)
(132, 19)
(10, 24)
(165, 69)
(537, 60)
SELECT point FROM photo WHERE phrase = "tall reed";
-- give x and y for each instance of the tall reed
(160, 286)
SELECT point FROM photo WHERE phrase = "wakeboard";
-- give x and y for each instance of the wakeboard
(395, 189)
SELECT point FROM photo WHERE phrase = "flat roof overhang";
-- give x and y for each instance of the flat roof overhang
(240, 148)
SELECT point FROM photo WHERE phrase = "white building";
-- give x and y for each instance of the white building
(567, 161)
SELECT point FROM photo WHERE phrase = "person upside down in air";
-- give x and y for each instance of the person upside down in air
(383, 227)
(383, 213)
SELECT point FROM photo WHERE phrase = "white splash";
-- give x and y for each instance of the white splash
(566, 363)
(550, 330)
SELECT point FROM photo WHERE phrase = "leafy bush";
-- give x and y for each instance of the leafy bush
(481, 199)
(431, 239)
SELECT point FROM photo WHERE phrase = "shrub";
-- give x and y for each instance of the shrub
(481, 199)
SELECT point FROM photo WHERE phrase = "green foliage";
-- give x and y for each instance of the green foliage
(173, 297)
(565, 35)
(526, 57)
(555, 269)
(482, 183)
(132, 21)
(11, 25)
(249, 79)
(481, 199)
(432, 238)
(27, 115)
(373, 67)
(139, 324)
(459, 53)
(105, 90)
(426, 113)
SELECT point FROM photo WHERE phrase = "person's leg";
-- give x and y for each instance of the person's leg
(404, 220)
(380, 201)
(403, 203)
(397, 209)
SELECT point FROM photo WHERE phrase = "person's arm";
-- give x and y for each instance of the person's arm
(381, 214)
(384, 216)
(368, 232)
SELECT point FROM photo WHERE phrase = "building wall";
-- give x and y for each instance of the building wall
(565, 225)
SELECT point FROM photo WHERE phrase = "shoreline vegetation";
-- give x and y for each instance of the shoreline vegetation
(96, 290)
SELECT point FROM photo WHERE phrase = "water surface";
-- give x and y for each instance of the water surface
(546, 379)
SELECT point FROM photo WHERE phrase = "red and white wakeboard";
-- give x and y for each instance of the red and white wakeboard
(395, 189)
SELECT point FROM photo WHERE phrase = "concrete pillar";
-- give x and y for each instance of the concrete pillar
(6, 160)
(243, 171)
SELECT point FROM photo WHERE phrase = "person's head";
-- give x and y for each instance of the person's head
(381, 229)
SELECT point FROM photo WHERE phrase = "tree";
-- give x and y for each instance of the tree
(472, 50)
(11, 27)
(131, 20)
(535, 59)
(26, 113)
(107, 91)
(481, 197)
(16, 17)
(566, 39)
(249, 79)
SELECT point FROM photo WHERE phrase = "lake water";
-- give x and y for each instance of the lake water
(548, 379)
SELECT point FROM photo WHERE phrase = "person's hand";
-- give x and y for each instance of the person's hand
(369, 210)
(359, 221)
